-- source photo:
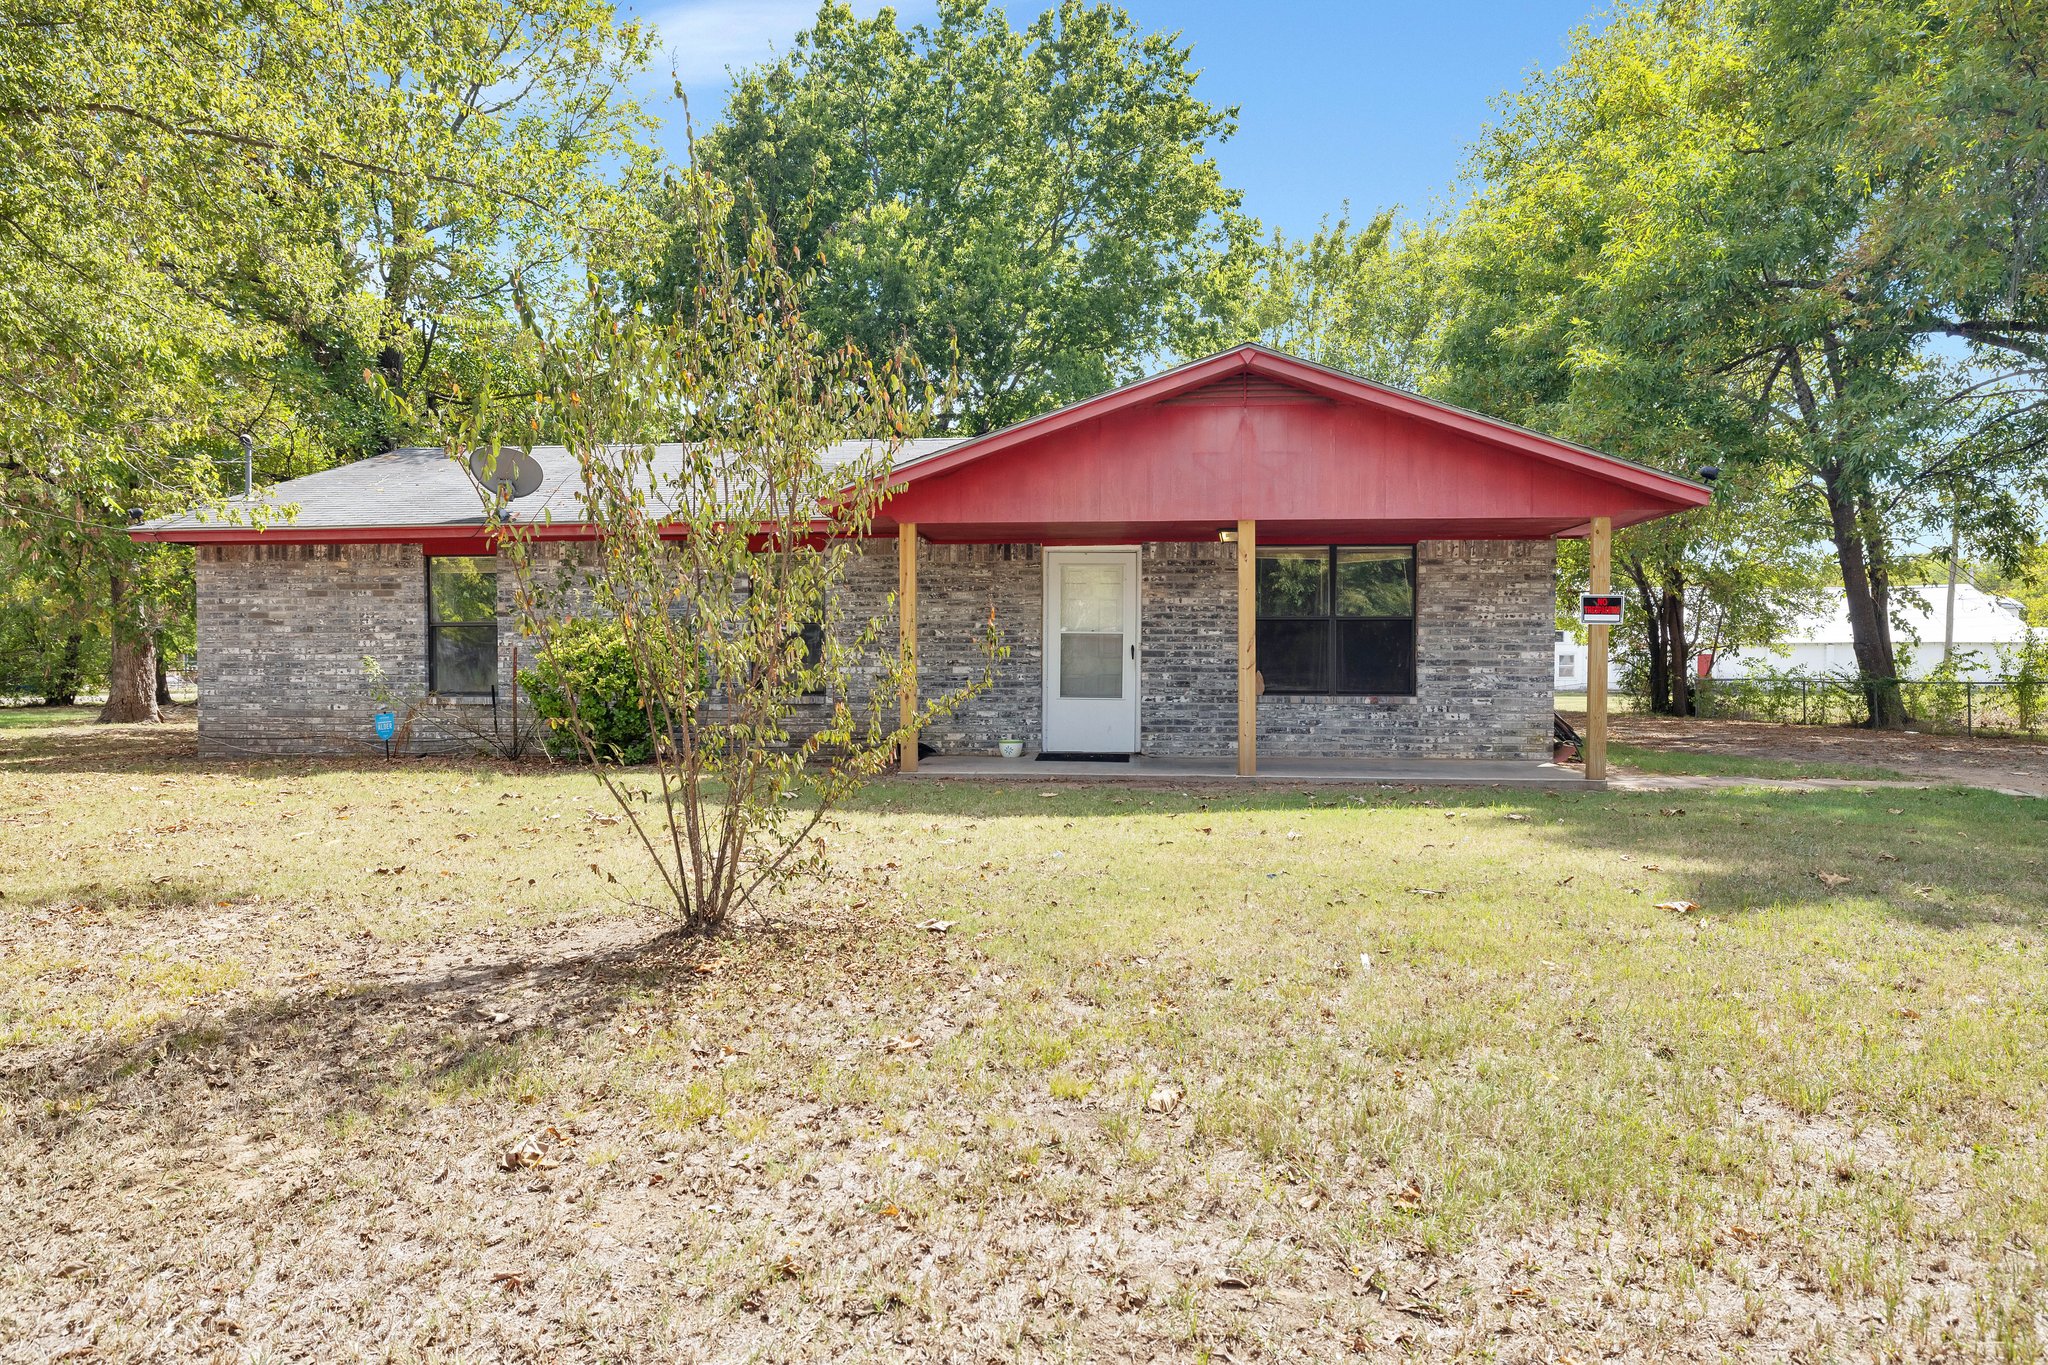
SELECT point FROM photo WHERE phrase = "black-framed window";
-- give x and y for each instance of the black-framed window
(462, 625)
(813, 637)
(1337, 619)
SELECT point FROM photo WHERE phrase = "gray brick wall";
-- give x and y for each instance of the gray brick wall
(1187, 630)
(283, 630)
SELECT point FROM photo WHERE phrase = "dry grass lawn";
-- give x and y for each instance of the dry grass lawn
(330, 1061)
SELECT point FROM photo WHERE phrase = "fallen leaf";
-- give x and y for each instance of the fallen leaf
(937, 926)
(1678, 907)
(1831, 880)
(1164, 1099)
(537, 1152)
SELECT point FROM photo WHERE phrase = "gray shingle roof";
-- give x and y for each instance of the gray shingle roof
(422, 487)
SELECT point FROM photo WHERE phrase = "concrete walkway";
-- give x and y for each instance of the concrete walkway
(1683, 782)
(1391, 772)
(1405, 772)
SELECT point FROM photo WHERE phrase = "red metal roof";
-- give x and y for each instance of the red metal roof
(1312, 454)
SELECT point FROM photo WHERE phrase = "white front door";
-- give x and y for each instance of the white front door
(1091, 652)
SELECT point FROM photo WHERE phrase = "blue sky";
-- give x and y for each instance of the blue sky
(1368, 102)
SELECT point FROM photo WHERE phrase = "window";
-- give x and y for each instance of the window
(462, 625)
(1567, 665)
(1337, 619)
(813, 637)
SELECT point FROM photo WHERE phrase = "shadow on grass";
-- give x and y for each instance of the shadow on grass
(1945, 857)
(1952, 856)
(445, 1030)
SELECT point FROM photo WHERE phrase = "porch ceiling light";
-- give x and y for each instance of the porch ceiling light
(1227, 537)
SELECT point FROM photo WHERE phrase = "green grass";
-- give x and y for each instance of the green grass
(44, 718)
(1146, 1090)
(1687, 762)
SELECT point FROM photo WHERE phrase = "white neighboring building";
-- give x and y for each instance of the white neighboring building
(1568, 663)
(1820, 643)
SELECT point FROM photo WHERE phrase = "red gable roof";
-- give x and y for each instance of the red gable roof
(1310, 453)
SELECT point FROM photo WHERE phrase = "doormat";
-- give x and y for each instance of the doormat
(1084, 758)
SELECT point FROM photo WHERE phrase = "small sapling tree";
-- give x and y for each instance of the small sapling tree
(726, 507)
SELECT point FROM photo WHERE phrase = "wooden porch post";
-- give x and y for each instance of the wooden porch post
(1602, 551)
(1247, 649)
(906, 626)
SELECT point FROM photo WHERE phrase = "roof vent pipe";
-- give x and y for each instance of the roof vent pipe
(248, 465)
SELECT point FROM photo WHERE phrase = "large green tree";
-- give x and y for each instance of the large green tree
(1715, 235)
(1368, 299)
(213, 216)
(1037, 208)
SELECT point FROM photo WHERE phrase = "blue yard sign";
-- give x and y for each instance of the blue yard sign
(387, 726)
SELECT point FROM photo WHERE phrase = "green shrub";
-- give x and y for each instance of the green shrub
(1940, 700)
(2026, 678)
(590, 662)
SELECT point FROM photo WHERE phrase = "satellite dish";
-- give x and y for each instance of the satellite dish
(516, 473)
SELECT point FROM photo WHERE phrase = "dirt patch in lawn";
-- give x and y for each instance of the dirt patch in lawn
(1998, 764)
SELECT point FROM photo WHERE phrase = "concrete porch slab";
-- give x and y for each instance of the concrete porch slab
(1408, 772)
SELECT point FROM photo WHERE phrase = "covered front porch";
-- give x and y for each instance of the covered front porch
(1254, 561)
(1168, 648)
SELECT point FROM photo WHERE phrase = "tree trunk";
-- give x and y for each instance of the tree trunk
(1865, 590)
(131, 663)
(1653, 643)
(1680, 674)
(64, 682)
(163, 675)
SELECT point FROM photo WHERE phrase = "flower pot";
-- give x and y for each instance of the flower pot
(1564, 752)
(1012, 748)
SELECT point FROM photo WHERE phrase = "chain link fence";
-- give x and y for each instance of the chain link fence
(2016, 704)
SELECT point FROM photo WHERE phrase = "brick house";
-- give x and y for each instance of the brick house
(1248, 555)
